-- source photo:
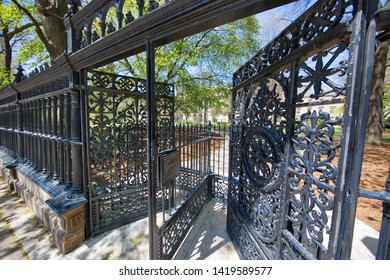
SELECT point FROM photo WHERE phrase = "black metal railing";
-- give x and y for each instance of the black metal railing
(46, 132)
(219, 160)
(36, 130)
(203, 153)
(101, 18)
(8, 135)
(187, 191)
(205, 149)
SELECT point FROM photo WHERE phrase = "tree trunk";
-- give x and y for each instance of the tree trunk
(52, 16)
(7, 55)
(375, 124)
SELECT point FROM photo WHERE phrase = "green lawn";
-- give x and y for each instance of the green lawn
(337, 134)
(386, 137)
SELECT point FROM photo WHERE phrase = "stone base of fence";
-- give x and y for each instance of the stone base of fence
(63, 216)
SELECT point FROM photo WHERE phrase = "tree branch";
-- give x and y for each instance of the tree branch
(38, 29)
(129, 67)
(170, 74)
(17, 30)
(17, 40)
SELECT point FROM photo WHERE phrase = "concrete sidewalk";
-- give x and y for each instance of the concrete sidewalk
(23, 236)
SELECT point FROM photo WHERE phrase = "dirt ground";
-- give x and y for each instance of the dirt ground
(375, 169)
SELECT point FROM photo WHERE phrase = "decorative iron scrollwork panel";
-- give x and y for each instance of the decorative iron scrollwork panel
(324, 74)
(312, 179)
(117, 118)
(220, 186)
(101, 140)
(262, 158)
(110, 210)
(242, 238)
(284, 155)
(166, 125)
(130, 129)
(257, 152)
(321, 18)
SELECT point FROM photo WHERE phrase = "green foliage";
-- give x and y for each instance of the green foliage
(4, 77)
(10, 15)
(201, 66)
(26, 46)
(386, 95)
(221, 125)
(33, 53)
(337, 111)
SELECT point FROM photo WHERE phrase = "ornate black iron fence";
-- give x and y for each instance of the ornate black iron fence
(117, 150)
(219, 160)
(35, 129)
(8, 135)
(101, 18)
(293, 185)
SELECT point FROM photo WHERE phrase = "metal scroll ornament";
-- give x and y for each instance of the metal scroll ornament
(262, 158)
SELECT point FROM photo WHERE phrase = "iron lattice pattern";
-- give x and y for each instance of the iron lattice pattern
(117, 121)
(282, 192)
(312, 26)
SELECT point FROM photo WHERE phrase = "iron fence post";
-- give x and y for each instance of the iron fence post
(141, 5)
(19, 127)
(43, 133)
(288, 150)
(75, 135)
(73, 43)
(54, 133)
(77, 169)
(68, 121)
(84, 150)
(355, 123)
(151, 104)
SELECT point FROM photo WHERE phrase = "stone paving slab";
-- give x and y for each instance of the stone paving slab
(8, 249)
(208, 239)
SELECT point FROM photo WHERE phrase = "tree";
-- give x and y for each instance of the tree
(13, 30)
(376, 125)
(201, 66)
(39, 24)
(51, 14)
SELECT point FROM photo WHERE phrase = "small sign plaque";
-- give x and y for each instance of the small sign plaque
(169, 166)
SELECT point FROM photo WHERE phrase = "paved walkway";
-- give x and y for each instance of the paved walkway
(22, 236)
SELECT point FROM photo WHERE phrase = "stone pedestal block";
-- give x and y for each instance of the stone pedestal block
(69, 231)
(60, 210)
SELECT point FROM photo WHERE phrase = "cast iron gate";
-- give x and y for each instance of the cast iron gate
(291, 178)
(116, 139)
